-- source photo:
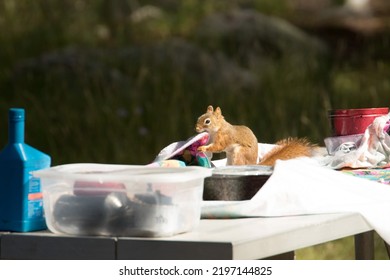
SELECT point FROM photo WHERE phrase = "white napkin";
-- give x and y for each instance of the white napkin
(302, 186)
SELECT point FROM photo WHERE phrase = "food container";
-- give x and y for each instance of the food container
(353, 121)
(235, 182)
(122, 200)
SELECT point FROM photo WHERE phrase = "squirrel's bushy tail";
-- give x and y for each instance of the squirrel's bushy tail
(288, 148)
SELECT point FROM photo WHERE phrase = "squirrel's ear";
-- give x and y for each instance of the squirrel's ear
(218, 111)
(210, 109)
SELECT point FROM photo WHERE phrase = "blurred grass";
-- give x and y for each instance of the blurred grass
(341, 249)
(116, 81)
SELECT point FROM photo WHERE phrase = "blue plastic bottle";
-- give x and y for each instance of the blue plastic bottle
(21, 204)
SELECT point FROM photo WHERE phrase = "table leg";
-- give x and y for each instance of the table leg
(284, 256)
(387, 249)
(364, 246)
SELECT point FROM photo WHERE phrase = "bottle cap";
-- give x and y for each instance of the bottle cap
(16, 114)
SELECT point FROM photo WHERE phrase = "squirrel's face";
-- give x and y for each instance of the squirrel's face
(203, 124)
(210, 121)
(206, 123)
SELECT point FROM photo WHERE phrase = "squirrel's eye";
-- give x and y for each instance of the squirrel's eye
(207, 121)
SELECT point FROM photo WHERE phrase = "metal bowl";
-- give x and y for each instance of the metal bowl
(235, 182)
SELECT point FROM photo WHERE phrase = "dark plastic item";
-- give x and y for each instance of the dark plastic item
(235, 182)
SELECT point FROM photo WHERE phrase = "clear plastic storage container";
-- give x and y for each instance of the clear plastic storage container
(122, 200)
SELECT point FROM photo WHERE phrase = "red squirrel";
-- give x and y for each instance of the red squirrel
(238, 141)
(240, 144)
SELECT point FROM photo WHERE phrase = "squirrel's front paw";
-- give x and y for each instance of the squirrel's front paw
(202, 149)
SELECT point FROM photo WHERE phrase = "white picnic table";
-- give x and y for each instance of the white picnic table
(243, 238)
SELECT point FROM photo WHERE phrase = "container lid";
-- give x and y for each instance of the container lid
(112, 172)
(16, 114)
(359, 111)
(243, 170)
